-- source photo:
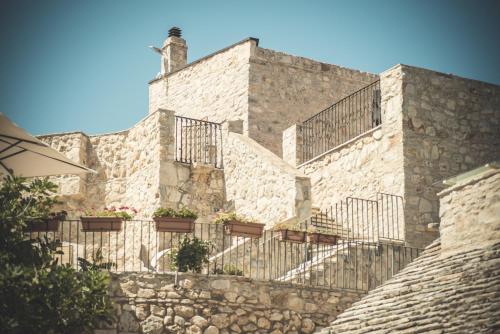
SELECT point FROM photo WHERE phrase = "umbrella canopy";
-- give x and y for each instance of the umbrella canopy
(22, 154)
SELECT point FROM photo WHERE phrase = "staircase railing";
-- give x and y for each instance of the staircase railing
(361, 259)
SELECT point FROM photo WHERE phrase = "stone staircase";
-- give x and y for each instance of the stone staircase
(323, 221)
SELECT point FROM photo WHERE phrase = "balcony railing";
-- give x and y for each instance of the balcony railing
(341, 122)
(198, 141)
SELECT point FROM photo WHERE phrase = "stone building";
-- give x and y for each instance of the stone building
(430, 126)
(277, 137)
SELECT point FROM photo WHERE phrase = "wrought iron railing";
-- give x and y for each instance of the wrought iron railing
(198, 141)
(356, 261)
(369, 220)
(341, 122)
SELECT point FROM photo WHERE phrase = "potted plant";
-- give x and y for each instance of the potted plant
(290, 231)
(170, 220)
(239, 226)
(106, 220)
(316, 236)
(46, 224)
(192, 254)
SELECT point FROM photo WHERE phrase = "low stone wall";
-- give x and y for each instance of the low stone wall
(470, 213)
(151, 303)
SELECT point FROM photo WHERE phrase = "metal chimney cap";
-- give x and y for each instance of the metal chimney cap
(175, 32)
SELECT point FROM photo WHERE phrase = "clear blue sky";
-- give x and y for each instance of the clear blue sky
(84, 65)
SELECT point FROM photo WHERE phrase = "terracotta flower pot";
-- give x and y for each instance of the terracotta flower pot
(237, 228)
(293, 236)
(173, 224)
(321, 238)
(46, 225)
(100, 224)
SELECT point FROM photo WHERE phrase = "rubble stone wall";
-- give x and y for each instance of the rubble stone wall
(260, 184)
(151, 303)
(136, 168)
(450, 125)
(370, 163)
(470, 214)
(286, 89)
(214, 88)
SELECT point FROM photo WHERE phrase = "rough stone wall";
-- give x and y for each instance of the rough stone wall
(74, 145)
(148, 303)
(136, 168)
(260, 184)
(214, 88)
(370, 163)
(128, 165)
(285, 90)
(470, 214)
(450, 125)
(267, 90)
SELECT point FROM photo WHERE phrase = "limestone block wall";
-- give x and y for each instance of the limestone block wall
(260, 184)
(286, 89)
(370, 163)
(71, 188)
(148, 303)
(74, 146)
(450, 125)
(470, 214)
(213, 88)
(128, 166)
(267, 90)
(136, 168)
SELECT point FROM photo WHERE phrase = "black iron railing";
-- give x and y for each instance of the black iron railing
(341, 122)
(358, 260)
(198, 141)
(369, 220)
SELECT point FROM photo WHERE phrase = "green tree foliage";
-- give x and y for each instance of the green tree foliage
(38, 295)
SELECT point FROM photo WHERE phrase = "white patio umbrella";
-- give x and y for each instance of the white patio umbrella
(22, 154)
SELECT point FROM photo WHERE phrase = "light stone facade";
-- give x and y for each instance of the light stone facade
(267, 90)
(136, 168)
(261, 185)
(152, 303)
(470, 214)
(214, 88)
(433, 126)
(286, 89)
(450, 125)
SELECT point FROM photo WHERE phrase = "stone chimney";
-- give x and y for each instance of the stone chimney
(174, 51)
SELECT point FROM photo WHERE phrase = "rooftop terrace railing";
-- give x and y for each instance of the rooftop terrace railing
(341, 122)
(198, 141)
(355, 261)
